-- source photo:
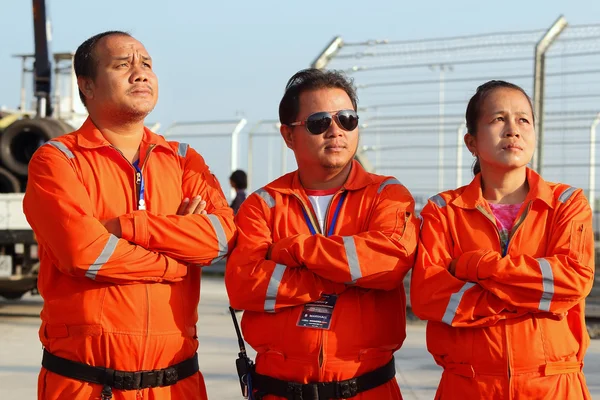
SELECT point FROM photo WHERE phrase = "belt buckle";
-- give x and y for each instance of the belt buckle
(171, 376)
(152, 379)
(125, 380)
(347, 389)
(294, 391)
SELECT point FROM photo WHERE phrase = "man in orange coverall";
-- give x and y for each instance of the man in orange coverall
(124, 220)
(321, 256)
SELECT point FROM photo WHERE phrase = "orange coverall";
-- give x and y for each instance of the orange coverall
(509, 324)
(125, 303)
(363, 261)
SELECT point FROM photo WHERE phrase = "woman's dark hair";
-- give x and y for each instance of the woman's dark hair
(312, 79)
(85, 62)
(239, 179)
(474, 107)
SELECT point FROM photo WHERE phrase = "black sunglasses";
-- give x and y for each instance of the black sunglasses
(319, 122)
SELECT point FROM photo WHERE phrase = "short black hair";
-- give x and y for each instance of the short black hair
(239, 179)
(312, 79)
(85, 62)
(475, 103)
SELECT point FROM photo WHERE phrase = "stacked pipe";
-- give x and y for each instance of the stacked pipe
(18, 142)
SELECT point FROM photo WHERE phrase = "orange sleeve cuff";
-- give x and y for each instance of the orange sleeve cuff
(127, 231)
(467, 265)
(134, 228)
(175, 270)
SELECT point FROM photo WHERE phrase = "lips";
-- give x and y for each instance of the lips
(335, 147)
(512, 146)
(141, 90)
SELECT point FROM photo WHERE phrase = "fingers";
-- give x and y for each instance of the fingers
(183, 206)
(195, 205)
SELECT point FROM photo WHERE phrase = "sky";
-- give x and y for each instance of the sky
(225, 59)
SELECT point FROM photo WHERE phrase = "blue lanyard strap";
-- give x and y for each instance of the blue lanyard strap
(336, 214)
(141, 200)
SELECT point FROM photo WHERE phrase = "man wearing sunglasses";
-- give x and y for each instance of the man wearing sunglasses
(321, 256)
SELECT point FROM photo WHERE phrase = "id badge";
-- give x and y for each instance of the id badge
(318, 314)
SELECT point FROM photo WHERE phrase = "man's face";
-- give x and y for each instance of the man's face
(125, 85)
(331, 150)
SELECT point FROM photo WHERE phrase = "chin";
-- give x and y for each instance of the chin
(335, 164)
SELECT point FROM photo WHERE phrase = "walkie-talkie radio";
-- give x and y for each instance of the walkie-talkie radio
(243, 364)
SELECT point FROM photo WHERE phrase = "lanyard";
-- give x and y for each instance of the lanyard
(310, 224)
(141, 186)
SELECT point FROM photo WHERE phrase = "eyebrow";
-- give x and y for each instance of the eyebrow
(504, 112)
(127, 57)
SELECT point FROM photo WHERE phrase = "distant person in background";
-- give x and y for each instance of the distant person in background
(504, 265)
(238, 181)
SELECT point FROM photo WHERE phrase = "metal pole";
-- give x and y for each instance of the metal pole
(328, 53)
(234, 147)
(250, 160)
(592, 183)
(441, 132)
(284, 153)
(460, 132)
(538, 86)
(23, 104)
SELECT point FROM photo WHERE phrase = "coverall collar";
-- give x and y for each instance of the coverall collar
(472, 195)
(90, 137)
(290, 183)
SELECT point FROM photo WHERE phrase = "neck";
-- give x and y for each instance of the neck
(505, 187)
(126, 137)
(325, 178)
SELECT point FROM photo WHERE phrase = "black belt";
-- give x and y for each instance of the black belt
(324, 390)
(121, 380)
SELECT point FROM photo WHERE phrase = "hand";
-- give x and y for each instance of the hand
(112, 226)
(194, 206)
(280, 253)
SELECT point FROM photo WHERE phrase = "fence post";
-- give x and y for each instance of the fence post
(459, 151)
(539, 74)
(592, 183)
(327, 54)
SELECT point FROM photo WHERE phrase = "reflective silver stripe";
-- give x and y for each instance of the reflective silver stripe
(392, 181)
(104, 256)
(566, 195)
(547, 284)
(273, 287)
(61, 146)
(263, 194)
(437, 199)
(220, 232)
(454, 303)
(182, 149)
(352, 256)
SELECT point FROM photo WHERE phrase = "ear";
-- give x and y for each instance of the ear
(286, 134)
(86, 85)
(471, 142)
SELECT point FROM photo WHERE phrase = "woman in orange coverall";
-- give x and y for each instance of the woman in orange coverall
(504, 265)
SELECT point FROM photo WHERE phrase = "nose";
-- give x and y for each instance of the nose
(512, 129)
(139, 74)
(334, 129)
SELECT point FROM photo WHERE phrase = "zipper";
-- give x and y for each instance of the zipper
(518, 224)
(138, 186)
(322, 337)
(309, 212)
(326, 219)
(513, 231)
(492, 219)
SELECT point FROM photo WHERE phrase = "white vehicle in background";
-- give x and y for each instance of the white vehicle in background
(50, 109)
